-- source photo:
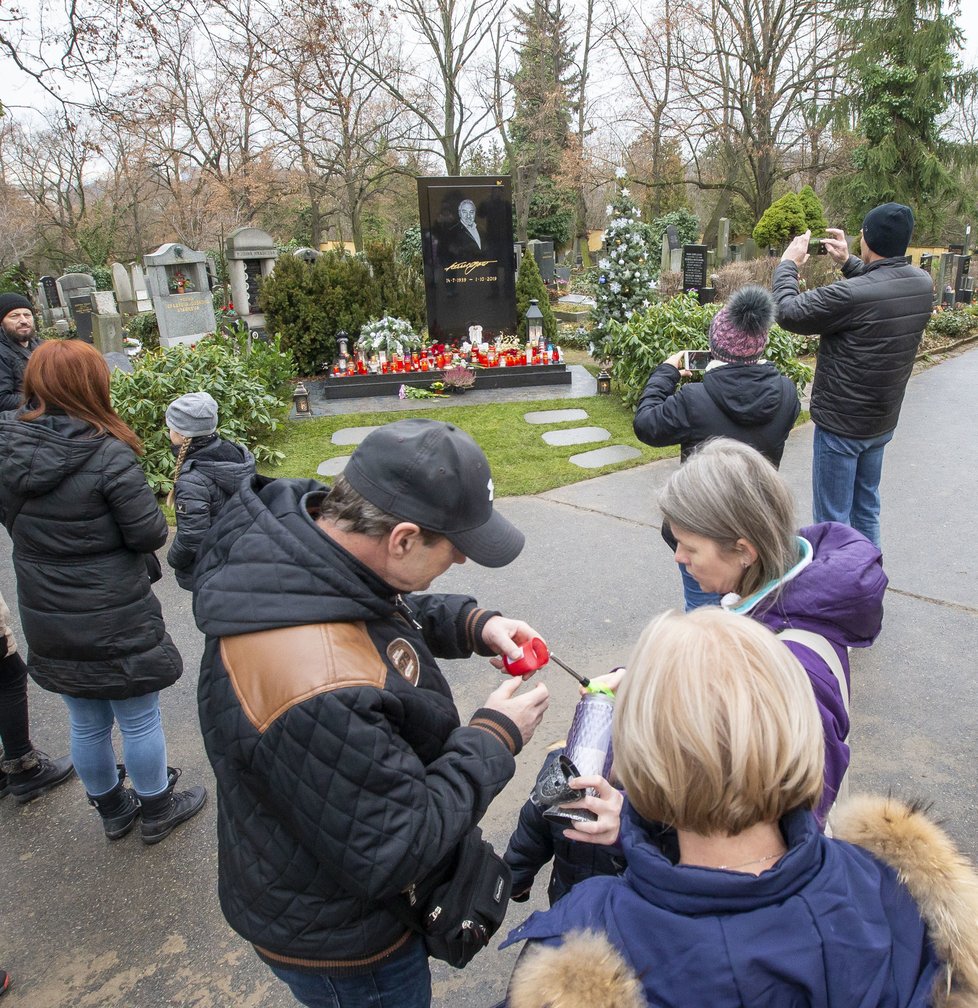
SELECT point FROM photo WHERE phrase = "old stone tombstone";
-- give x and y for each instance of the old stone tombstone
(307, 255)
(694, 267)
(176, 279)
(673, 236)
(543, 252)
(75, 285)
(963, 284)
(665, 254)
(106, 323)
(81, 311)
(518, 254)
(139, 291)
(723, 241)
(942, 284)
(251, 256)
(676, 260)
(750, 249)
(122, 285)
(736, 252)
(49, 298)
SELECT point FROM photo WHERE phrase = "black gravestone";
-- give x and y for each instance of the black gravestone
(81, 312)
(694, 267)
(673, 235)
(51, 294)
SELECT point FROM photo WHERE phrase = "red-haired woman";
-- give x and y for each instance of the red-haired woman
(82, 518)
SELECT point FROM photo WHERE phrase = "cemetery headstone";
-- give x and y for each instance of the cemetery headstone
(251, 255)
(723, 241)
(736, 253)
(176, 279)
(944, 267)
(122, 285)
(543, 252)
(81, 311)
(694, 267)
(106, 323)
(672, 234)
(307, 255)
(139, 291)
(676, 260)
(665, 254)
(750, 249)
(963, 283)
(73, 285)
(967, 239)
(49, 298)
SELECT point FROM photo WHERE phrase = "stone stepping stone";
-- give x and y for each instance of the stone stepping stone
(333, 466)
(604, 456)
(555, 416)
(351, 435)
(576, 435)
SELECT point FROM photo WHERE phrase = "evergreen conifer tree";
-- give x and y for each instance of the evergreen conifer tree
(529, 285)
(782, 220)
(813, 210)
(626, 281)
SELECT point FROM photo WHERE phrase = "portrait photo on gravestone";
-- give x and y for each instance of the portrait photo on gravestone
(469, 266)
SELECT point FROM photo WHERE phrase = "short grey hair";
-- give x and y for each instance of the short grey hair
(352, 512)
(727, 491)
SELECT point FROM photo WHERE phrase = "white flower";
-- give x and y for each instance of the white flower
(620, 173)
(625, 192)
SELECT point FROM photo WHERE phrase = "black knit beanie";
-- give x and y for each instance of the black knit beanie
(11, 302)
(887, 229)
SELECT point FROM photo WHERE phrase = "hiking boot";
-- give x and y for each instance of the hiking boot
(35, 774)
(163, 813)
(119, 809)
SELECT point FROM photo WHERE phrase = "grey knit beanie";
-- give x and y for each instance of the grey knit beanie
(193, 414)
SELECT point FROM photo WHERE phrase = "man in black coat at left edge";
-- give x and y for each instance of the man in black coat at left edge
(18, 341)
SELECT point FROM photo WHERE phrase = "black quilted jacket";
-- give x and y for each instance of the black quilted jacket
(13, 361)
(870, 326)
(341, 780)
(753, 403)
(210, 474)
(82, 516)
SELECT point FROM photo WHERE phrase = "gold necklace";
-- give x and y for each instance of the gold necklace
(744, 864)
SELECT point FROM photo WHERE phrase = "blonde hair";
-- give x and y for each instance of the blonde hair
(181, 458)
(727, 491)
(716, 727)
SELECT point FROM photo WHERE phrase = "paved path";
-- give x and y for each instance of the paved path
(94, 925)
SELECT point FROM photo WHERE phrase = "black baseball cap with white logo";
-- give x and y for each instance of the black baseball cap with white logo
(435, 475)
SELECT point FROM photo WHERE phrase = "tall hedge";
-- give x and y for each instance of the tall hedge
(399, 285)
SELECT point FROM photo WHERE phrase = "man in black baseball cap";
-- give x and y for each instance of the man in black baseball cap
(17, 343)
(344, 774)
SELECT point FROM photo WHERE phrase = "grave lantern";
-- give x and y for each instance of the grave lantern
(300, 400)
(534, 324)
(604, 382)
(342, 338)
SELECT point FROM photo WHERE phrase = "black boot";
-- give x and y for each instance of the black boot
(118, 808)
(163, 813)
(4, 780)
(34, 774)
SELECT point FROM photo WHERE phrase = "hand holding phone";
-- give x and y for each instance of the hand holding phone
(696, 360)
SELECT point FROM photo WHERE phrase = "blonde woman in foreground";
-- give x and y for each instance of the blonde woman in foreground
(732, 895)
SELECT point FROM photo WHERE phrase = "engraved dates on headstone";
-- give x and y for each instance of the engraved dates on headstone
(81, 310)
(694, 267)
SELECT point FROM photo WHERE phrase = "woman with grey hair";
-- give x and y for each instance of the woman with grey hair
(821, 588)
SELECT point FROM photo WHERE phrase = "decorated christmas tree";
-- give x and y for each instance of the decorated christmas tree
(625, 282)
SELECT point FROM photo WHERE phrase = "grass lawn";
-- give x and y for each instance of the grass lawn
(521, 462)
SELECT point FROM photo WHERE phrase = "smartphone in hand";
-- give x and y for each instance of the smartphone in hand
(696, 360)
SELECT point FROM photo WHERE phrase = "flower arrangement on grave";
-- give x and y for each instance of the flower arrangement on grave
(180, 283)
(458, 378)
(389, 336)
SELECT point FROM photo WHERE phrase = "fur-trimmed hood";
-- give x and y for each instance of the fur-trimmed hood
(940, 879)
(587, 970)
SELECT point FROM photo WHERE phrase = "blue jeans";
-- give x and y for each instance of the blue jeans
(142, 743)
(846, 481)
(403, 981)
(694, 596)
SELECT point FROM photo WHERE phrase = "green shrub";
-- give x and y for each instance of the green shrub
(409, 247)
(145, 328)
(530, 285)
(308, 305)
(398, 285)
(813, 210)
(16, 280)
(102, 276)
(947, 324)
(638, 346)
(252, 390)
(782, 220)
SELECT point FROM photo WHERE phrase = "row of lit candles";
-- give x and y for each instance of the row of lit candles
(439, 361)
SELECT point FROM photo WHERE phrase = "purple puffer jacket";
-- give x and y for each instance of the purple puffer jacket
(840, 596)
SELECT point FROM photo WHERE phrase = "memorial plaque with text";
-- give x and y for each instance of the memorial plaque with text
(81, 312)
(694, 267)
